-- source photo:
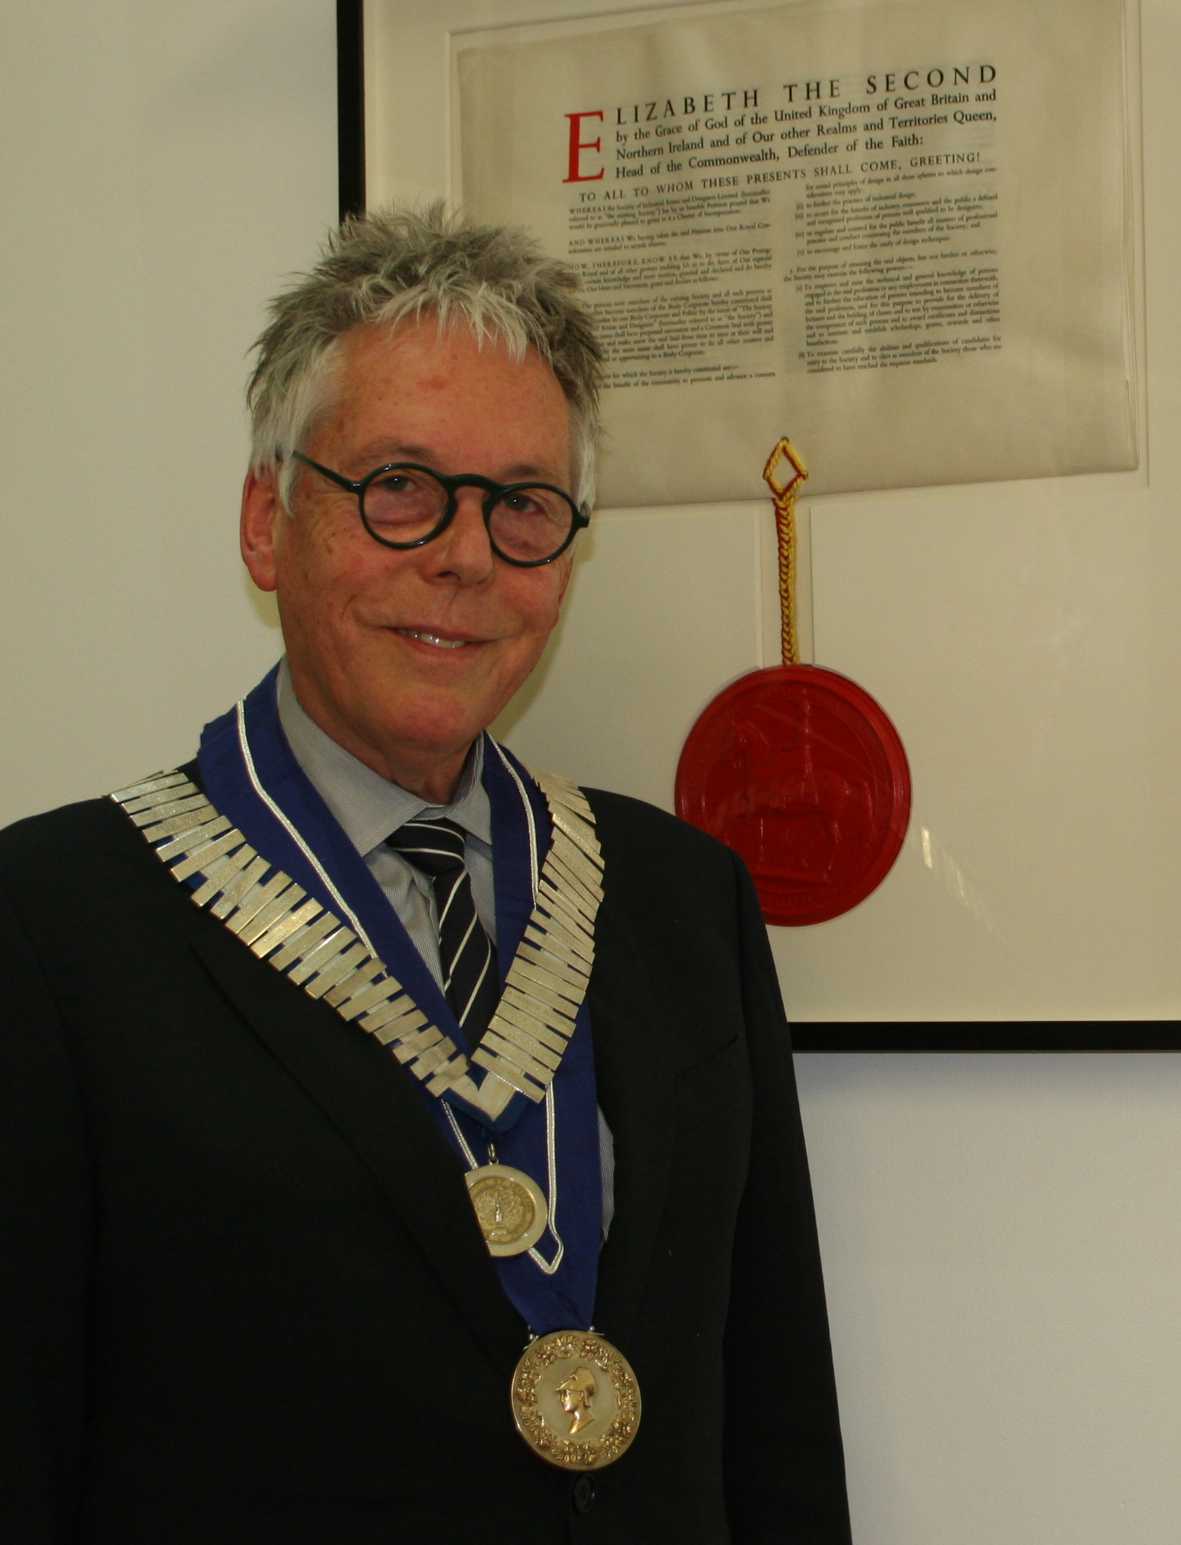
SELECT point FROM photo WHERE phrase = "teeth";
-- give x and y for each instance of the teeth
(432, 638)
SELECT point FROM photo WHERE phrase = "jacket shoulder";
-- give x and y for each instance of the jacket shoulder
(77, 826)
(64, 868)
(86, 829)
(633, 832)
(636, 818)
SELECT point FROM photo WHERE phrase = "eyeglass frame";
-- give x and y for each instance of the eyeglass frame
(493, 493)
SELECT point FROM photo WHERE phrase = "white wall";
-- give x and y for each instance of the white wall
(1000, 1234)
(1001, 1250)
(164, 166)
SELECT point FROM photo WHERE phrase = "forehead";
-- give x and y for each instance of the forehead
(417, 391)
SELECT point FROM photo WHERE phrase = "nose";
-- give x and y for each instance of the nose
(463, 552)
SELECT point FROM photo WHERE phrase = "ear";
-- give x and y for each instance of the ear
(261, 512)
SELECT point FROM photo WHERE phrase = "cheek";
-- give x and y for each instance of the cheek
(547, 603)
(313, 605)
(538, 626)
(312, 541)
(319, 571)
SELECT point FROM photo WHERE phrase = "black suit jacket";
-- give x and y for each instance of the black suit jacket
(241, 1284)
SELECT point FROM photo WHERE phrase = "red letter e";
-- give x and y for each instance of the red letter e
(576, 144)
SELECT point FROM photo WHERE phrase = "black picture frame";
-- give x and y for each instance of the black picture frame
(995, 1035)
(1099, 1035)
(350, 106)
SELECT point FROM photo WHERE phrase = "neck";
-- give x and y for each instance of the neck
(433, 775)
(434, 778)
(433, 783)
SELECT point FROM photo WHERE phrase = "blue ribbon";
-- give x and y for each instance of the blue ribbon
(252, 739)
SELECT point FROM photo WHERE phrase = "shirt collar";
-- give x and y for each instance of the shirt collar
(367, 806)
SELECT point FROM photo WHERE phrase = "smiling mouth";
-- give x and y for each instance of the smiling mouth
(432, 638)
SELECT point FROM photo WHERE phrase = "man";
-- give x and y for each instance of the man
(404, 1147)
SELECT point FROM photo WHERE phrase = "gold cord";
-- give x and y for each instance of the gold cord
(784, 495)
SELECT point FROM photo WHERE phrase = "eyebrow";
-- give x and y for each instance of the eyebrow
(375, 452)
(378, 453)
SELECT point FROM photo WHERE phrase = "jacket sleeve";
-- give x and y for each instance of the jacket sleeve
(44, 1233)
(785, 1473)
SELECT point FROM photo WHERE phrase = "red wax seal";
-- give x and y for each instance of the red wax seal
(801, 772)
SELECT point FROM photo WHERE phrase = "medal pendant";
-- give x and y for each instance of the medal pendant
(575, 1400)
(509, 1208)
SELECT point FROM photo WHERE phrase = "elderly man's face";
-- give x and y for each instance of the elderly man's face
(404, 657)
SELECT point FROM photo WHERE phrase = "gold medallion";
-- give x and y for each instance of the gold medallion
(509, 1207)
(575, 1399)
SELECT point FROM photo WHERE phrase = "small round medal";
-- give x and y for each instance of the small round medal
(575, 1399)
(509, 1207)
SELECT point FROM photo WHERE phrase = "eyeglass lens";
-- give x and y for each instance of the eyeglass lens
(528, 522)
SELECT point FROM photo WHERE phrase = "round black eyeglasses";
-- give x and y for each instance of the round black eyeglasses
(406, 505)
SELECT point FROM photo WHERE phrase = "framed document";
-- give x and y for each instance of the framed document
(1029, 908)
(859, 246)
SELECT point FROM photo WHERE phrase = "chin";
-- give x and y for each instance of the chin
(430, 735)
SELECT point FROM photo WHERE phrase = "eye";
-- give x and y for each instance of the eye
(525, 501)
(529, 503)
(531, 523)
(395, 483)
(405, 496)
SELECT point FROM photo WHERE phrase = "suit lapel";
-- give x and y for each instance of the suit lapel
(387, 1122)
(635, 1048)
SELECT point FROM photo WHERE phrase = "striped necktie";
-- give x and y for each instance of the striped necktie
(470, 982)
